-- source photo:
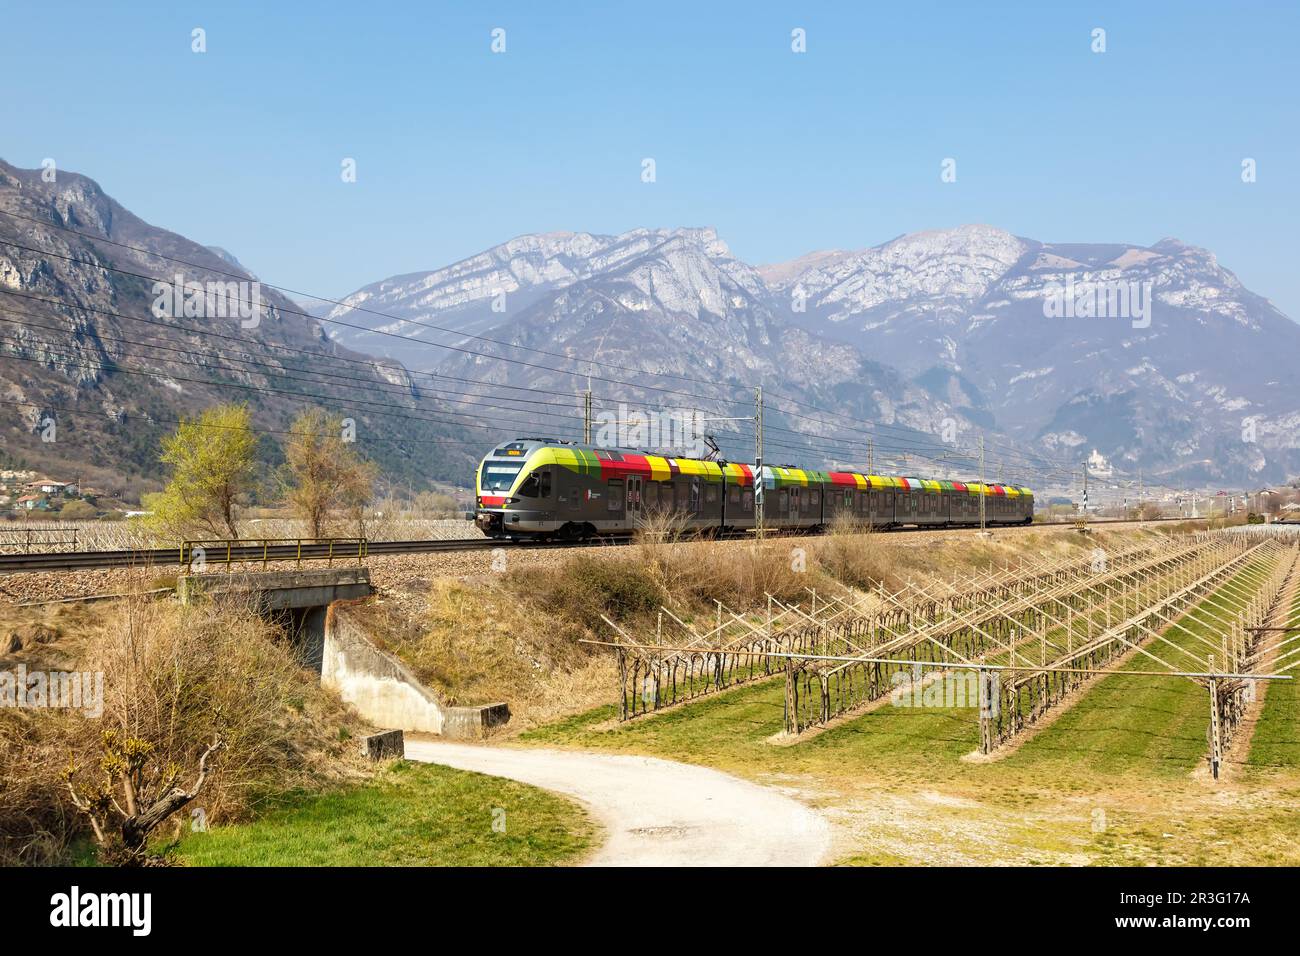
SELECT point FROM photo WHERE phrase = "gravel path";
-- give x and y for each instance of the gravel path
(657, 812)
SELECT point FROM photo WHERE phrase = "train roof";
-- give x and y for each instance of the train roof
(617, 462)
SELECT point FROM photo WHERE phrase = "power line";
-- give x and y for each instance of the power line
(150, 420)
(385, 315)
(302, 397)
(248, 342)
(384, 332)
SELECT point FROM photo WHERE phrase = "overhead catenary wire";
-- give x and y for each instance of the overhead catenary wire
(150, 420)
(360, 328)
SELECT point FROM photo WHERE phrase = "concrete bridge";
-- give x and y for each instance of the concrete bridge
(279, 590)
(320, 609)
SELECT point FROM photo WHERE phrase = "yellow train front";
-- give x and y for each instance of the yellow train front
(545, 489)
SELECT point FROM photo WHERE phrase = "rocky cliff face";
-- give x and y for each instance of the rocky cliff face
(89, 362)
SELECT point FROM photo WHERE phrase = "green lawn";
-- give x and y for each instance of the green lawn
(1277, 734)
(1152, 724)
(411, 815)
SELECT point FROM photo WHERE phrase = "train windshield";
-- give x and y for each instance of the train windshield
(499, 475)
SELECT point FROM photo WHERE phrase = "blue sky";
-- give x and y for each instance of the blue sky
(458, 148)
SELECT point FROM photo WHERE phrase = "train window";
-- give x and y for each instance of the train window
(733, 495)
(614, 492)
(710, 494)
(651, 495)
(814, 497)
(694, 501)
(499, 476)
(545, 484)
(783, 500)
(529, 489)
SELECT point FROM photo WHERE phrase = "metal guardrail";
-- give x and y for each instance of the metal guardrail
(202, 553)
(169, 557)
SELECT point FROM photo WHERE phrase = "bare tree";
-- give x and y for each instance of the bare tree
(135, 791)
(323, 475)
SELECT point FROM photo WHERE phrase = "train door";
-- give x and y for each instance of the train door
(633, 501)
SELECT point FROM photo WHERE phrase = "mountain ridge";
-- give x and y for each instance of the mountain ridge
(960, 312)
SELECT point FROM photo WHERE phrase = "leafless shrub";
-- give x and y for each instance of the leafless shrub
(175, 679)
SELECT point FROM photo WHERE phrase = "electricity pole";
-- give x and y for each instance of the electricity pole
(758, 462)
(586, 417)
(1085, 487)
(983, 530)
(871, 456)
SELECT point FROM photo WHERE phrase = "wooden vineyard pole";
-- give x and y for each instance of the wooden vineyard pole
(987, 697)
(1216, 732)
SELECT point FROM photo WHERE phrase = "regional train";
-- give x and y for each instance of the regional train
(537, 488)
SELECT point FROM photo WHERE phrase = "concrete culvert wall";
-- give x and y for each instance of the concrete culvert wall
(385, 691)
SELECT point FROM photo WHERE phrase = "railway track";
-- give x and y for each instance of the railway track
(164, 557)
(258, 553)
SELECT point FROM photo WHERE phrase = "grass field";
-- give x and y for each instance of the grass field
(412, 815)
(1149, 725)
(1277, 735)
(1117, 778)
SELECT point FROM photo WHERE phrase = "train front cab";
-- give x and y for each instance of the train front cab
(513, 497)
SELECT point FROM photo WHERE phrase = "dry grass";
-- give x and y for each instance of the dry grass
(174, 677)
(480, 643)
(516, 636)
(854, 556)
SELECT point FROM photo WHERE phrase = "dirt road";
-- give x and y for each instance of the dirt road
(656, 812)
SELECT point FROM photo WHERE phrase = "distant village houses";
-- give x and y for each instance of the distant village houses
(24, 492)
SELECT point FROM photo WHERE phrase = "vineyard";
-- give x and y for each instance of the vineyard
(1015, 645)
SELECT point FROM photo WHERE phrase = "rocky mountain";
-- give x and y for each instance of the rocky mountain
(1156, 356)
(94, 368)
(673, 302)
(489, 289)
